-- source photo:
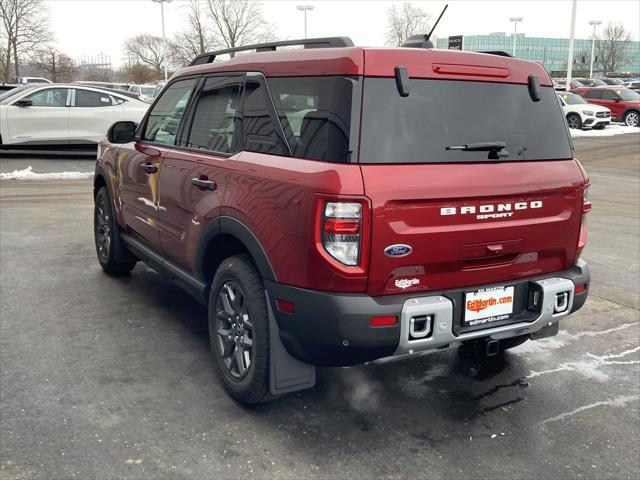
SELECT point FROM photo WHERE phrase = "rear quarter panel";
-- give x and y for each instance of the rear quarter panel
(274, 197)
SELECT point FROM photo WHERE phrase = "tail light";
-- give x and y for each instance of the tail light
(341, 231)
(586, 208)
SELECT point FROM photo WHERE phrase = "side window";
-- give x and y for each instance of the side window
(89, 98)
(609, 95)
(316, 115)
(258, 126)
(214, 124)
(593, 94)
(51, 97)
(165, 117)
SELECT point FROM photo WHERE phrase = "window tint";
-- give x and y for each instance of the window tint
(88, 98)
(441, 113)
(259, 129)
(317, 115)
(214, 119)
(164, 119)
(609, 95)
(593, 94)
(51, 97)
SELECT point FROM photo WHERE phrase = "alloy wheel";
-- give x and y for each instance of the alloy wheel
(103, 231)
(631, 119)
(234, 330)
(574, 121)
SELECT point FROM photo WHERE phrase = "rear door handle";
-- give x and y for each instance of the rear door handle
(204, 184)
(149, 167)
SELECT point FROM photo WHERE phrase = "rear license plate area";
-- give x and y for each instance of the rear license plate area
(488, 305)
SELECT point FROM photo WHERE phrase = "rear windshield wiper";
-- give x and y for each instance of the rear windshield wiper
(496, 149)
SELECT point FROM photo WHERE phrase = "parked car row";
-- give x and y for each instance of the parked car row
(584, 100)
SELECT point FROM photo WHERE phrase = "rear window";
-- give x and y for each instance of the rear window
(442, 113)
(317, 115)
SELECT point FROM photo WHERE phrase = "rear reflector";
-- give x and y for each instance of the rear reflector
(285, 307)
(586, 207)
(581, 288)
(341, 226)
(386, 321)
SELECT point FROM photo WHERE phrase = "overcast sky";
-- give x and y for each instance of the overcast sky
(89, 27)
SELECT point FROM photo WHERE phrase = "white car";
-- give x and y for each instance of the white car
(581, 114)
(145, 92)
(62, 114)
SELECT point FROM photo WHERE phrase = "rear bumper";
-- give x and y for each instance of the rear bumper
(332, 329)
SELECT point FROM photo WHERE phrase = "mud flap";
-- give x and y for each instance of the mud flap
(286, 374)
(544, 332)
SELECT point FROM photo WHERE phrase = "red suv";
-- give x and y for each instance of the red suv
(624, 103)
(337, 205)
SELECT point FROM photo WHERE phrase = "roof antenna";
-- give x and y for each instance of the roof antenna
(422, 40)
(428, 36)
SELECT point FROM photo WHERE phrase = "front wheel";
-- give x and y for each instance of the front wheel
(574, 120)
(632, 118)
(239, 330)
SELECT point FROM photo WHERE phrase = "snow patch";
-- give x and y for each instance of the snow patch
(609, 131)
(29, 174)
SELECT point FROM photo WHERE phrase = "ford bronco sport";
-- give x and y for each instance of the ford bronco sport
(333, 205)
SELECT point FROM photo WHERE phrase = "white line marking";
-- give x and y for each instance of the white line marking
(609, 330)
(614, 402)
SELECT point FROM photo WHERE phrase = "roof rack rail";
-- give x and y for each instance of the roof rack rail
(497, 52)
(326, 42)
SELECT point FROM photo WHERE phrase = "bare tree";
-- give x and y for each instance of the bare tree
(148, 50)
(196, 38)
(24, 25)
(58, 65)
(611, 47)
(238, 22)
(138, 73)
(404, 21)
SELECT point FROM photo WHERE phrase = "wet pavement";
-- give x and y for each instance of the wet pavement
(112, 378)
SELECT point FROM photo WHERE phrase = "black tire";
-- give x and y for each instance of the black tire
(574, 121)
(239, 330)
(105, 229)
(632, 118)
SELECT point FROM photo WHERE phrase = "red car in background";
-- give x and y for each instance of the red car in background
(624, 103)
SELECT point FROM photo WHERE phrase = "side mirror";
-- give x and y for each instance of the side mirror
(23, 103)
(122, 132)
(617, 100)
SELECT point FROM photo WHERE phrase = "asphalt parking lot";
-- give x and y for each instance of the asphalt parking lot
(112, 378)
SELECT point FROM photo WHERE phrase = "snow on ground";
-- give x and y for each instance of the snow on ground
(609, 131)
(29, 174)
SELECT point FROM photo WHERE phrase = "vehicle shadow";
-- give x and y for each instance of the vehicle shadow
(434, 399)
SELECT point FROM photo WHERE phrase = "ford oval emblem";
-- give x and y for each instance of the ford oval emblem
(398, 250)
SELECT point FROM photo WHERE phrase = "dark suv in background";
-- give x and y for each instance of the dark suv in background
(335, 205)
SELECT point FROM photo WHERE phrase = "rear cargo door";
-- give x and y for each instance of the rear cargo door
(448, 218)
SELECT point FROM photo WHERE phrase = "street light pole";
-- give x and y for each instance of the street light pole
(164, 38)
(305, 9)
(515, 21)
(595, 23)
(571, 40)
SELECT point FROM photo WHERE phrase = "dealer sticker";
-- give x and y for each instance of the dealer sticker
(488, 305)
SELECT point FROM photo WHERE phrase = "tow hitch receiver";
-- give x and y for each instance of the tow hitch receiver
(492, 348)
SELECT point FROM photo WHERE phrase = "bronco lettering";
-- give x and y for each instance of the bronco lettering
(489, 208)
